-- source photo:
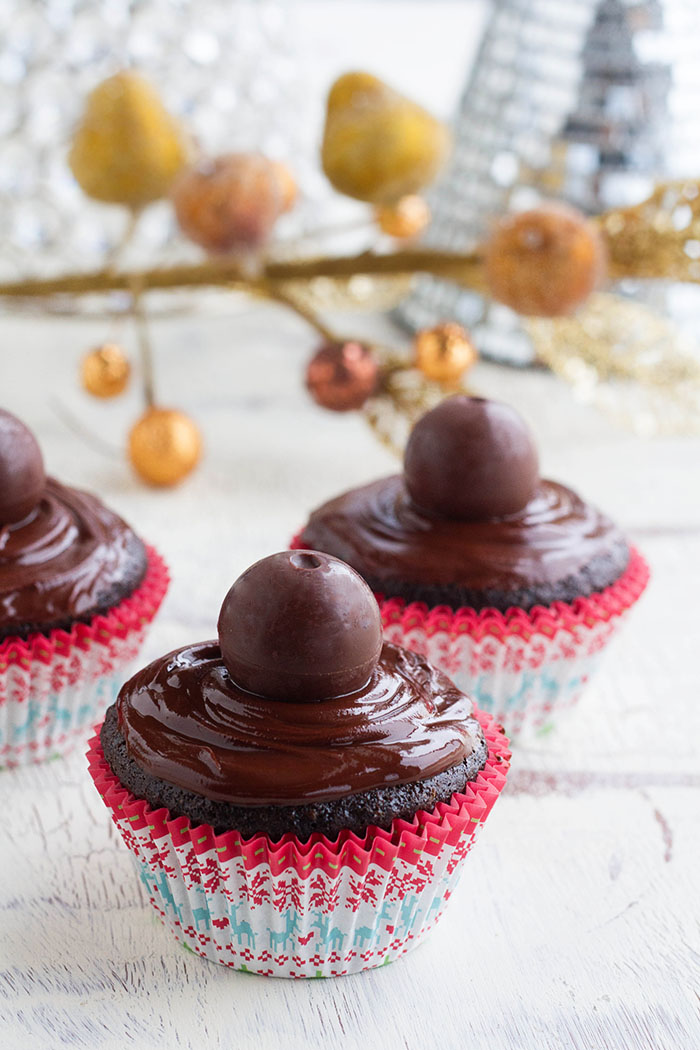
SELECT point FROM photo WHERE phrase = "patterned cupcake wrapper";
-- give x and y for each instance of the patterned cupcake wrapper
(54, 687)
(294, 909)
(524, 668)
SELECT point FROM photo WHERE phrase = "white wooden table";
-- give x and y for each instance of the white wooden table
(576, 924)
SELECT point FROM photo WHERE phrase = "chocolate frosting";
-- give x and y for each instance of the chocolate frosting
(64, 560)
(185, 721)
(386, 537)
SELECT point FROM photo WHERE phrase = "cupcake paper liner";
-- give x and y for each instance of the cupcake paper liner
(524, 668)
(320, 908)
(53, 687)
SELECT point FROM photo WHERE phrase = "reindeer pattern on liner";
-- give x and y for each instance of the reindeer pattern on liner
(362, 934)
(50, 706)
(374, 933)
(333, 937)
(281, 938)
(164, 887)
(200, 913)
(147, 880)
(395, 917)
(409, 912)
(240, 929)
(534, 690)
(156, 885)
(31, 713)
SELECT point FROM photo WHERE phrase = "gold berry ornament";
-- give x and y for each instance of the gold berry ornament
(544, 262)
(342, 376)
(164, 446)
(378, 145)
(232, 201)
(444, 353)
(407, 218)
(127, 149)
(105, 371)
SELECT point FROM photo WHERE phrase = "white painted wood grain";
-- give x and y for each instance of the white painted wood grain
(576, 924)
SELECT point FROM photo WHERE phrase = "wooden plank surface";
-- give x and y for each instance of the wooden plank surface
(576, 923)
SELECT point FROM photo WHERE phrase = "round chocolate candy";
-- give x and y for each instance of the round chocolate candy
(22, 477)
(471, 459)
(301, 626)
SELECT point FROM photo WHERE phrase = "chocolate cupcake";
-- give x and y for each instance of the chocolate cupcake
(509, 582)
(306, 751)
(77, 589)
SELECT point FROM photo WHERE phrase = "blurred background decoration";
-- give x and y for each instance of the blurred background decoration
(222, 70)
(138, 135)
(593, 102)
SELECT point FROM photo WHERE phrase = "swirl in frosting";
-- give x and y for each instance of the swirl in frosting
(65, 561)
(386, 537)
(185, 721)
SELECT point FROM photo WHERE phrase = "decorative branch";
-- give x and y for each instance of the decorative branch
(86, 435)
(114, 255)
(465, 268)
(274, 293)
(462, 267)
(144, 341)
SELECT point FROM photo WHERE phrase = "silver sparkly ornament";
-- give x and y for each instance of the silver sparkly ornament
(228, 71)
(589, 101)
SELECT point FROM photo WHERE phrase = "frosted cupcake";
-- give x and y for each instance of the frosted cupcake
(510, 583)
(77, 591)
(299, 796)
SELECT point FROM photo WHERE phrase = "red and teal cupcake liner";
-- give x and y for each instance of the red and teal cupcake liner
(319, 908)
(524, 668)
(53, 687)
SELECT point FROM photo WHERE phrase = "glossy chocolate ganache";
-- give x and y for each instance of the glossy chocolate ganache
(470, 523)
(186, 735)
(186, 721)
(64, 556)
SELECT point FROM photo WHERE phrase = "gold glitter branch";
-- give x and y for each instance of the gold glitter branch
(611, 350)
(659, 238)
(465, 268)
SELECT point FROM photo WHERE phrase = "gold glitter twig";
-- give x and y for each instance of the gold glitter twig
(82, 432)
(114, 255)
(274, 293)
(465, 268)
(144, 342)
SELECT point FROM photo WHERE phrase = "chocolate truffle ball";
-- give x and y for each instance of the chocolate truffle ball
(471, 459)
(300, 626)
(22, 476)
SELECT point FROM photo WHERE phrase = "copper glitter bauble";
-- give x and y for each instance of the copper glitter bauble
(544, 262)
(231, 202)
(341, 376)
(444, 353)
(105, 371)
(407, 218)
(164, 446)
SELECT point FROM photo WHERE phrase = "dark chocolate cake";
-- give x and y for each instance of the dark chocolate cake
(64, 556)
(470, 523)
(298, 719)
